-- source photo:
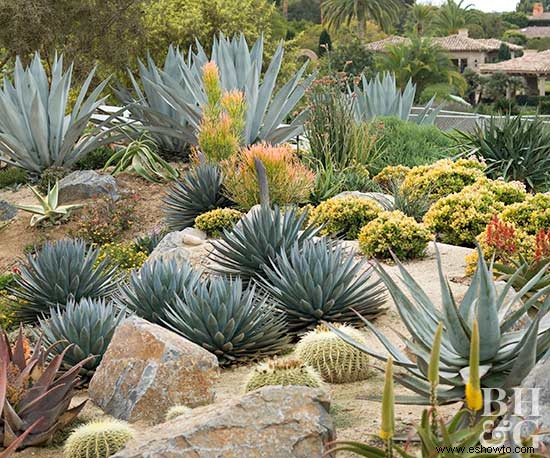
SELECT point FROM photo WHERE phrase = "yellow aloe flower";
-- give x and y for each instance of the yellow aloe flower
(388, 415)
(474, 397)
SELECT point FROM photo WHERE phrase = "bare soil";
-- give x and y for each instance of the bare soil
(355, 417)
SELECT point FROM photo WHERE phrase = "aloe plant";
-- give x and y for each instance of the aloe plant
(35, 131)
(168, 102)
(47, 208)
(506, 355)
(380, 96)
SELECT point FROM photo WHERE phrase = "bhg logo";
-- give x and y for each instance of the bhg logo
(521, 423)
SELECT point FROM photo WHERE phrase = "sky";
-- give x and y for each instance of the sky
(484, 5)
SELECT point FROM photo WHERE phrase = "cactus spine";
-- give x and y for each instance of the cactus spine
(283, 372)
(334, 359)
(98, 439)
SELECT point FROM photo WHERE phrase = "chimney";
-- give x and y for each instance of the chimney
(538, 9)
(463, 33)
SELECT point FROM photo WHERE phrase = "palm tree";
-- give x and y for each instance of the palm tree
(421, 60)
(420, 16)
(338, 12)
(452, 17)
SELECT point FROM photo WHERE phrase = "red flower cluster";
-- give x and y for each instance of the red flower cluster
(542, 245)
(501, 236)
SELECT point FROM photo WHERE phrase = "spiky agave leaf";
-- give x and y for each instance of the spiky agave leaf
(381, 96)
(35, 131)
(198, 191)
(156, 284)
(234, 324)
(36, 391)
(86, 327)
(169, 101)
(321, 280)
(60, 271)
(257, 239)
(506, 356)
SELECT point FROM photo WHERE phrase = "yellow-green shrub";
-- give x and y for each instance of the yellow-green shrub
(344, 216)
(215, 221)
(7, 313)
(390, 175)
(507, 192)
(531, 215)
(459, 218)
(396, 232)
(444, 177)
(125, 255)
(289, 181)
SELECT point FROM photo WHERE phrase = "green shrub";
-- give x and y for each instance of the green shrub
(531, 215)
(12, 176)
(443, 178)
(440, 91)
(459, 218)
(396, 232)
(125, 255)
(409, 144)
(95, 159)
(390, 175)
(215, 221)
(7, 313)
(49, 177)
(106, 221)
(344, 216)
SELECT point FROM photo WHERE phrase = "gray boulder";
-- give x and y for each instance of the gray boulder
(87, 184)
(148, 369)
(180, 246)
(7, 211)
(272, 422)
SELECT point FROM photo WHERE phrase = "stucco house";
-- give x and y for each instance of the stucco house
(464, 51)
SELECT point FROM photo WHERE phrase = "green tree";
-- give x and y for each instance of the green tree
(88, 32)
(325, 42)
(350, 57)
(421, 60)
(504, 52)
(181, 21)
(420, 17)
(451, 17)
(518, 19)
(382, 12)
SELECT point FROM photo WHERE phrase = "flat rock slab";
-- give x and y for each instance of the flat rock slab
(87, 184)
(147, 369)
(272, 422)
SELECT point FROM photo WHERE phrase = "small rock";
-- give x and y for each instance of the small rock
(272, 422)
(385, 200)
(148, 369)
(7, 211)
(87, 184)
(177, 246)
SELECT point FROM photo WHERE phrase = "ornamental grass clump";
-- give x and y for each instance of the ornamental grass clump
(344, 216)
(394, 232)
(289, 181)
(506, 355)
